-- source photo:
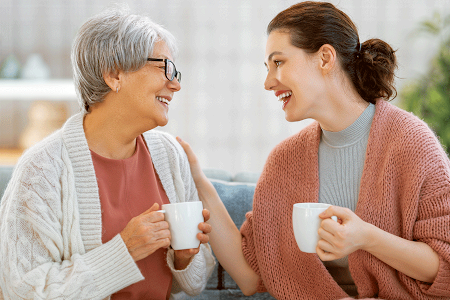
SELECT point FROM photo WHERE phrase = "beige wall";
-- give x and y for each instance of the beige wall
(222, 109)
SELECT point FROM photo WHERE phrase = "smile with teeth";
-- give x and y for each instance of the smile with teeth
(163, 100)
(283, 97)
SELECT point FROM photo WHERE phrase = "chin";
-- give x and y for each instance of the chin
(294, 118)
(290, 118)
(163, 123)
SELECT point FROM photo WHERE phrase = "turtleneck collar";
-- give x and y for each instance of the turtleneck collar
(353, 133)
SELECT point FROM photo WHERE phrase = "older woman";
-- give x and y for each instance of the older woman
(79, 217)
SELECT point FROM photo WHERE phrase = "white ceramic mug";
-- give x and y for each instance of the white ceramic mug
(306, 224)
(183, 219)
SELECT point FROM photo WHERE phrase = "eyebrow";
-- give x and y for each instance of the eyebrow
(162, 56)
(271, 55)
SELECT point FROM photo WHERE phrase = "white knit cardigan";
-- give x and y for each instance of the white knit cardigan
(51, 230)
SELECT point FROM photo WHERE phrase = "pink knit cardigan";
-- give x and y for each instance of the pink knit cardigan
(405, 190)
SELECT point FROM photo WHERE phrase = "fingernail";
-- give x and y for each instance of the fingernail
(179, 139)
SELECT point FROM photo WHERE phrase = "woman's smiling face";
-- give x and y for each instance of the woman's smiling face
(295, 77)
(149, 92)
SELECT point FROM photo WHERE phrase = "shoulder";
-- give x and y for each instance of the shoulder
(397, 118)
(161, 136)
(46, 155)
(404, 131)
(409, 143)
(156, 138)
(164, 148)
(37, 175)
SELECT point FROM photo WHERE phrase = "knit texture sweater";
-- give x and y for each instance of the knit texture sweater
(405, 190)
(50, 222)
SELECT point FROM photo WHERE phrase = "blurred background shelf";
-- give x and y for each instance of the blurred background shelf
(222, 109)
(31, 90)
(31, 110)
(9, 157)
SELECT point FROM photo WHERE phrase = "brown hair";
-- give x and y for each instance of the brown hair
(370, 65)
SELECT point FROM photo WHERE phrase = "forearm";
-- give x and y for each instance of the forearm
(414, 259)
(225, 240)
(98, 273)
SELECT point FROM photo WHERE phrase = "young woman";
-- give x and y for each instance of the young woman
(381, 168)
(79, 217)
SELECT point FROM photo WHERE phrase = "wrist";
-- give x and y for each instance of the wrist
(370, 237)
(180, 262)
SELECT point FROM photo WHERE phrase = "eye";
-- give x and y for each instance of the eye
(277, 63)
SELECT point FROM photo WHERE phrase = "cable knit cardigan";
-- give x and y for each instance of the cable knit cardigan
(405, 190)
(51, 230)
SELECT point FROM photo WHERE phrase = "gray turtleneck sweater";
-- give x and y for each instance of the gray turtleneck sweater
(341, 163)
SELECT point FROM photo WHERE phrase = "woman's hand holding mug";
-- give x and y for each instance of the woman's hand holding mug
(146, 233)
(339, 239)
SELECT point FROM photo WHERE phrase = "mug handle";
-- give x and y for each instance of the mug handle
(163, 211)
(334, 218)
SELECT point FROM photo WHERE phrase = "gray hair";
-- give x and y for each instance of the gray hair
(110, 41)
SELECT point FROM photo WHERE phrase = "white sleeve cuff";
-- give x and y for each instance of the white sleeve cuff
(192, 280)
(113, 267)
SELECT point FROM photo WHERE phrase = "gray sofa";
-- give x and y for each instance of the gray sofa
(236, 192)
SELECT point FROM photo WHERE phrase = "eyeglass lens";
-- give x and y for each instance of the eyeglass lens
(170, 70)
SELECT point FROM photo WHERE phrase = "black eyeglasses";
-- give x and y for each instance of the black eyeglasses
(169, 67)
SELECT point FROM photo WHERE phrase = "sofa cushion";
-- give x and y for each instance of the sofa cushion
(237, 198)
(5, 176)
(250, 177)
(218, 174)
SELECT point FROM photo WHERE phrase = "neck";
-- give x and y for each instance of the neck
(343, 105)
(339, 115)
(109, 131)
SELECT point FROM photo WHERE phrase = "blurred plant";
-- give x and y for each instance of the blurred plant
(436, 26)
(429, 97)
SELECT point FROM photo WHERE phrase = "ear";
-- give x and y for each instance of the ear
(327, 58)
(113, 79)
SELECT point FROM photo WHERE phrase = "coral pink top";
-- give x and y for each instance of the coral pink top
(404, 190)
(127, 188)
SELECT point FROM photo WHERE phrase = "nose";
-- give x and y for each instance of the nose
(270, 81)
(174, 85)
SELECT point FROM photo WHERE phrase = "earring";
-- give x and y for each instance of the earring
(117, 90)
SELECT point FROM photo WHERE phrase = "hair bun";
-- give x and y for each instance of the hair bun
(375, 70)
